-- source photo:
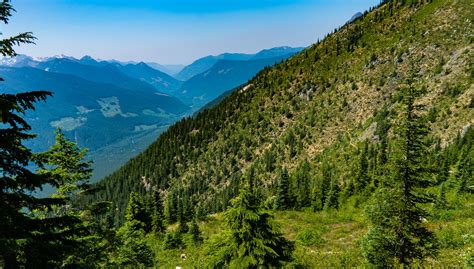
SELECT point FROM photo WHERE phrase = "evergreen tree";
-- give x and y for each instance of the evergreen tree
(27, 239)
(302, 180)
(170, 208)
(464, 168)
(443, 173)
(182, 225)
(441, 202)
(316, 199)
(136, 214)
(66, 162)
(195, 232)
(332, 199)
(397, 233)
(252, 240)
(157, 216)
(133, 250)
(363, 179)
(173, 240)
(283, 200)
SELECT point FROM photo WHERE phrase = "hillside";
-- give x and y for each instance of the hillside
(317, 113)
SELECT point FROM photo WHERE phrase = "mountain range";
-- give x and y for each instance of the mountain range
(115, 108)
(203, 64)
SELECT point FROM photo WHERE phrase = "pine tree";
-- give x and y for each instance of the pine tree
(252, 240)
(397, 233)
(170, 208)
(464, 168)
(172, 240)
(283, 201)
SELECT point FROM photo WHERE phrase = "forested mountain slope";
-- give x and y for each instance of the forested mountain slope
(315, 113)
(222, 76)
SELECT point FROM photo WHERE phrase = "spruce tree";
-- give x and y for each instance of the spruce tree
(136, 214)
(332, 199)
(302, 180)
(182, 225)
(66, 162)
(27, 239)
(157, 224)
(397, 234)
(441, 202)
(362, 179)
(195, 232)
(252, 240)
(133, 249)
(283, 201)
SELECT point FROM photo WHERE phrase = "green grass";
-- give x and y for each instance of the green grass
(331, 239)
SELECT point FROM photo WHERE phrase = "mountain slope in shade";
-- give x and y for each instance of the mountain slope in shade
(143, 72)
(106, 73)
(96, 115)
(221, 77)
(170, 69)
(203, 64)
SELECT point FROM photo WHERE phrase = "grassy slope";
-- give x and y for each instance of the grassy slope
(330, 239)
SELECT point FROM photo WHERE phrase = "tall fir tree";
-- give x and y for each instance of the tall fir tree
(252, 241)
(332, 199)
(66, 162)
(397, 234)
(157, 221)
(283, 199)
(195, 232)
(133, 250)
(362, 178)
(27, 238)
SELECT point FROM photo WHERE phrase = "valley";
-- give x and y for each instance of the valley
(92, 97)
(356, 151)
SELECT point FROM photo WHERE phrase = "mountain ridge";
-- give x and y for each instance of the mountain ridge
(205, 63)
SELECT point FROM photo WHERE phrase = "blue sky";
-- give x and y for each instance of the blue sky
(174, 31)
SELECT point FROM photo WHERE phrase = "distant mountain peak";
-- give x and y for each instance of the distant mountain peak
(87, 57)
(355, 17)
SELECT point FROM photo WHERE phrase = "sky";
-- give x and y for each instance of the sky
(174, 31)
